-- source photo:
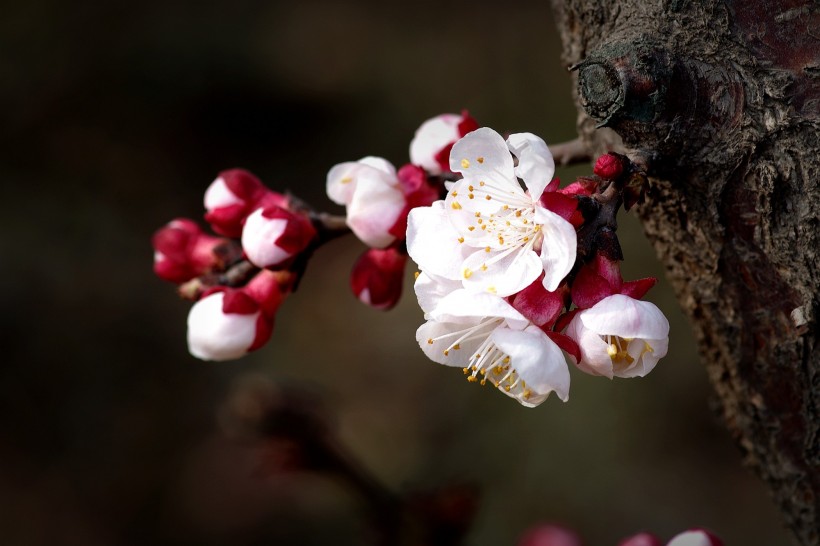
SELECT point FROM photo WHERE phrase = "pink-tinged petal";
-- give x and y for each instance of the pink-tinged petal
(430, 289)
(380, 164)
(549, 535)
(595, 359)
(558, 248)
(433, 243)
(539, 305)
(564, 206)
(437, 340)
(535, 163)
(218, 195)
(502, 273)
(626, 317)
(482, 153)
(645, 354)
(566, 343)
(341, 181)
(373, 209)
(216, 335)
(433, 135)
(638, 288)
(641, 539)
(695, 537)
(259, 238)
(465, 306)
(376, 277)
(538, 361)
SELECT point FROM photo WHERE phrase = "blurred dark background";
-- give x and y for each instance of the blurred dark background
(116, 117)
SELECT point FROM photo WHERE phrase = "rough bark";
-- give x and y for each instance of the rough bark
(721, 101)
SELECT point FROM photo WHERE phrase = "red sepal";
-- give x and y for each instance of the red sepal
(299, 230)
(418, 192)
(538, 305)
(467, 124)
(564, 320)
(581, 186)
(638, 289)
(237, 302)
(566, 343)
(564, 206)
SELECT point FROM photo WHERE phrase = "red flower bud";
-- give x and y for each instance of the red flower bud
(376, 278)
(608, 167)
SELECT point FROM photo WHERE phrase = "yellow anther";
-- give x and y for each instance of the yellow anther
(416, 274)
(487, 249)
(471, 379)
(525, 221)
(506, 207)
(481, 183)
(430, 341)
(612, 350)
(480, 159)
(456, 206)
(647, 348)
(492, 290)
(518, 213)
(346, 180)
(526, 239)
(483, 382)
(527, 395)
(507, 388)
(483, 267)
(456, 347)
(506, 360)
(500, 240)
(467, 273)
(471, 228)
(465, 370)
(455, 194)
(488, 198)
(508, 223)
(461, 239)
(497, 370)
(446, 352)
(465, 164)
(484, 228)
(480, 221)
(471, 196)
(470, 187)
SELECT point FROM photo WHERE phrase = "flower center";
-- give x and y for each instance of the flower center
(618, 351)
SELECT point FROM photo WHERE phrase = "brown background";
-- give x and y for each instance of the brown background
(116, 118)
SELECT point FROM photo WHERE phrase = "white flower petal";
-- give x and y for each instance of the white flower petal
(439, 339)
(594, 357)
(430, 289)
(558, 247)
(433, 243)
(481, 153)
(380, 164)
(537, 360)
(503, 272)
(626, 317)
(464, 306)
(536, 166)
(691, 538)
(215, 335)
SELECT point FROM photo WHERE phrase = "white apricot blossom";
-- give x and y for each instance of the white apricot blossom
(620, 337)
(490, 233)
(432, 140)
(371, 192)
(491, 341)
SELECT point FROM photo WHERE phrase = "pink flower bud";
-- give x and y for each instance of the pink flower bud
(232, 197)
(376, 278)
(550, 535)
(418, 192)
(608, 167)
(695, 537)
(229, 323)
(274, 235)
(430, 147)
(642, 539)
(182, 251)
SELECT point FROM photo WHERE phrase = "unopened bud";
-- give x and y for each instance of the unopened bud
(274, 235)
(431, 145)
(182, 251)
(642, 539)
(376, 278)
(232, 197)
(608, 167)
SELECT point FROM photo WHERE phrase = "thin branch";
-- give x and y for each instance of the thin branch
(571, 152)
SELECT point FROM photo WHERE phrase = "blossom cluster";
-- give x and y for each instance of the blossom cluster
(502, 286)
(516, 274)
(227, 321)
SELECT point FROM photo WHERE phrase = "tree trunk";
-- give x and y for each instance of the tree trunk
(721, 101)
